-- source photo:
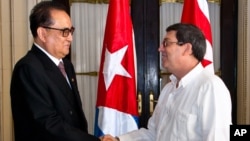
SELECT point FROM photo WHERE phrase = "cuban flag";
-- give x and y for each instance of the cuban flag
(196, 12)
(116, 106)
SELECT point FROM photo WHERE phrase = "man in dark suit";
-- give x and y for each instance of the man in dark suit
(46, 105)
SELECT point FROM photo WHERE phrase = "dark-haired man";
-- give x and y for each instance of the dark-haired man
(45, 102)
(196, 104)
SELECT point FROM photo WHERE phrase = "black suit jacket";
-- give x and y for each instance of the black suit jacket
(44, 106)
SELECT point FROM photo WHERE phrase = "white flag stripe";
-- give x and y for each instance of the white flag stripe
(114, 122)
(209, 52)
(204, 8)
(203, 5)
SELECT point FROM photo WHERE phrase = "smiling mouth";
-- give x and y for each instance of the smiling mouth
(163, 55)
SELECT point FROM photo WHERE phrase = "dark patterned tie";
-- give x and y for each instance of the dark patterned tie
(62, 69)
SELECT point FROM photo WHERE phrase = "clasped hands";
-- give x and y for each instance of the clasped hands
(107, 138)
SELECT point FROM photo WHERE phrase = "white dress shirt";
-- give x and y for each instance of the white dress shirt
(198, 110)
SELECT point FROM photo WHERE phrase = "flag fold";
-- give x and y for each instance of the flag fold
(196, 12)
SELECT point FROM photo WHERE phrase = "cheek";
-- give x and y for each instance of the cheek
(174, 52)
(52, 40)
(171, 56)
(57, 42)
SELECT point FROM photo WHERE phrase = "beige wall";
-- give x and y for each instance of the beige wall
(243, 77)
(13, 45)
(5, 70)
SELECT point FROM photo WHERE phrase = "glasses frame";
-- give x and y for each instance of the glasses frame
(65, 31)
(167, 43)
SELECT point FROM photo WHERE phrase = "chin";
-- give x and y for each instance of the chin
(164, 64)
(66, 52)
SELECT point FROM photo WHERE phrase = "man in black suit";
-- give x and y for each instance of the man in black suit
(46, 105)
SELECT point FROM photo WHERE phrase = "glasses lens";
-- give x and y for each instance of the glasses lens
(165, 43)
(67, 31)
(72, 30)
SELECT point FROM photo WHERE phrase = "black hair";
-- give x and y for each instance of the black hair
(40, 15)
(189, 33)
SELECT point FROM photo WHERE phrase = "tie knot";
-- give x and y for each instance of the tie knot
(61, 67)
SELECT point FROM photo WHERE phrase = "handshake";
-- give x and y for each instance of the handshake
(108, 138)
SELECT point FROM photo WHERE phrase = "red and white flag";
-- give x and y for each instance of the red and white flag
(196, 12)
(116, 106)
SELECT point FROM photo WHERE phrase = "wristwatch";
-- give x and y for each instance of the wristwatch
(117, 138)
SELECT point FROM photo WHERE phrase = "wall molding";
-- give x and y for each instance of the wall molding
(243, 65)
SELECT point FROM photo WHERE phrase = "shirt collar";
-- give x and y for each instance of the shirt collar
(54, 59)
(188, 77)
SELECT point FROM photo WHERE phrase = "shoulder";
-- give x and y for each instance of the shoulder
(28, 60)
(212, 84)
(66, 61)
(68, 64)
(212, 79)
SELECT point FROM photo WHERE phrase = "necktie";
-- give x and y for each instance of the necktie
(62, 69)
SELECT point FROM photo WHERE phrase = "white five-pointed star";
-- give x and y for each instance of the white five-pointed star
(113, 66)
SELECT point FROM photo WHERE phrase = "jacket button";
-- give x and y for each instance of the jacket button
(70, 112)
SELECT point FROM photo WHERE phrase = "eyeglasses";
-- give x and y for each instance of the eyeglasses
(65, 31)
(167, 43)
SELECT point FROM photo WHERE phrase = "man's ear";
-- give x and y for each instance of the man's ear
(41, 33)
(188, 49)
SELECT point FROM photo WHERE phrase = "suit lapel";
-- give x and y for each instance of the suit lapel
(55, 74)
(72, 79)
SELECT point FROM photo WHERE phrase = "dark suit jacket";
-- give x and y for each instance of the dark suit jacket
(44, 106)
